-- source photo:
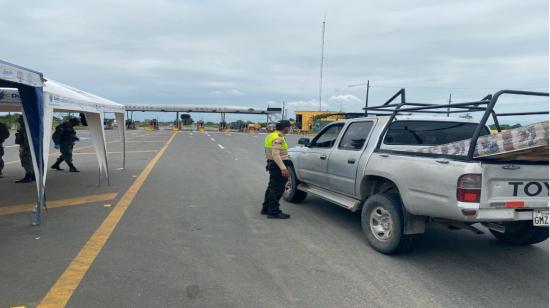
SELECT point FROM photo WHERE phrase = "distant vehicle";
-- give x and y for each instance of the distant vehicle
(370, 165)
(254, 126)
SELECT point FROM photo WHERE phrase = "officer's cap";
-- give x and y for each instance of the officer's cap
(282, 124)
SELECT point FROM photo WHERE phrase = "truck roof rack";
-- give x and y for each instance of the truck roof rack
(485, 105)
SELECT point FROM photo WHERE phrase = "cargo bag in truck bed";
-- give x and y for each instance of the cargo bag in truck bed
(528, 143)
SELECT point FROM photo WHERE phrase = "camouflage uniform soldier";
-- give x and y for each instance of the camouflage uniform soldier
(4, 134)
(64, 138)
(24, 152)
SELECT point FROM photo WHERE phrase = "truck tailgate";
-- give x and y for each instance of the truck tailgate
(514, 186)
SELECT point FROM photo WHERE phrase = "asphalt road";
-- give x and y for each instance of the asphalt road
(193, 237)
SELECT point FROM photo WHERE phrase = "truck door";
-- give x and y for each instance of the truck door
(344, 159)
(313, 162)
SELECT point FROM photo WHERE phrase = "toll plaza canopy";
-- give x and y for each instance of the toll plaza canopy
(27, 91)
(201, 108)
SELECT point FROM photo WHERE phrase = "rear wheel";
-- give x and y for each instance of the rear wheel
(292, 193)
(521, 233)
(383, 223)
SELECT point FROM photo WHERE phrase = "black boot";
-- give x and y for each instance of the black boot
(26, 179)
(72, 168)
(56, 165)
(278, 215)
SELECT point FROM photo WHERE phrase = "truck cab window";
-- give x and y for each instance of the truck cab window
(355, 135)
(429, 132)
(327, 137)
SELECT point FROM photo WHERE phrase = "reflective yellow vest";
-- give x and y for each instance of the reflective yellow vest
(268, 142)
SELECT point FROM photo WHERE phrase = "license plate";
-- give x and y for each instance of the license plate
(540, 218)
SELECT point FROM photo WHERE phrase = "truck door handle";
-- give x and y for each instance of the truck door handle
(323, 157)
(442, 161)
(351, 161)
(384, 155)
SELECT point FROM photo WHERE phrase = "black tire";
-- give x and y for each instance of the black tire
(387, 205)
(292, 193)
(524, 233)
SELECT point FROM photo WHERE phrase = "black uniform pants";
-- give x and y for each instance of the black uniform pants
(1, 157)
(275, 188)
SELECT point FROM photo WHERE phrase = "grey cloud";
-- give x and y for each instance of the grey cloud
(184, 51)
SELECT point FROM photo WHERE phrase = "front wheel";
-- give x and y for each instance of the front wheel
(383, 223)
(521, 233)
(292, 193)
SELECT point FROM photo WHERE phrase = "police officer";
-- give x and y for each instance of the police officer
(277, 159)
(4, 134)
(22, 140)
(64, 138)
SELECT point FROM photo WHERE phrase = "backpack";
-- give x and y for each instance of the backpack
(4, 132)
(56, 137)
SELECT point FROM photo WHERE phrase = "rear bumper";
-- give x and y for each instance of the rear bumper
(496, 214)
(504, 214)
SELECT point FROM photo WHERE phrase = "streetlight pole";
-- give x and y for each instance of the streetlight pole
(366, 95)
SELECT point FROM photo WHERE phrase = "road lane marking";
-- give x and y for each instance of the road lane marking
(64, 287)
(11, 146)
(221, 146)
(212, 139)
(52, 204)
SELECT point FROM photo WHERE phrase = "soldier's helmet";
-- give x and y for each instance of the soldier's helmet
(74, 121)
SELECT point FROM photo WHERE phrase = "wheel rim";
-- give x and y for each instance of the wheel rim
(288, 186)
(381, 223)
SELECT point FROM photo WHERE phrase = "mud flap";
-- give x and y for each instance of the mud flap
(414, 224)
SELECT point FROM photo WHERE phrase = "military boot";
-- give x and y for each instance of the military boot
(56, 165)
(27, 179)
(72, 168)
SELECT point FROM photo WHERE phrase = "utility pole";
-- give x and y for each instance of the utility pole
(449, 107)
(322, 62)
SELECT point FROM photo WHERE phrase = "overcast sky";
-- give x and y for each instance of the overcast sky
(255, 53)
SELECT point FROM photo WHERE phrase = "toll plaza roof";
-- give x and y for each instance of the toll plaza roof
(200, 108)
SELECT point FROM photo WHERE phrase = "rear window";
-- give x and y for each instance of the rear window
(429, 132)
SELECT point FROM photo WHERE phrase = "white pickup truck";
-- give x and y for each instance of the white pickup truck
(368, 164)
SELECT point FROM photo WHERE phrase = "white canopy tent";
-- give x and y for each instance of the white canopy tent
(60, 97)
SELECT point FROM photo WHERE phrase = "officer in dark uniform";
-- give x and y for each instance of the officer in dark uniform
(25, 156)
(4, 134)
(275, 146)
(64, 138)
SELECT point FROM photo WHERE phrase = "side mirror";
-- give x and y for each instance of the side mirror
(303, 141)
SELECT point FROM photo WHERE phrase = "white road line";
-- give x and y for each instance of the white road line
(190, 134)
(212, 139)
(221, 146)
(11, 146)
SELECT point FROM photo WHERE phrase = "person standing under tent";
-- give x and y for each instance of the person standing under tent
(64, 139)
(25, 156)
(4, 134)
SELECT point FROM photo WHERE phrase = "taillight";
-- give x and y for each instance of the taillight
(468, 188)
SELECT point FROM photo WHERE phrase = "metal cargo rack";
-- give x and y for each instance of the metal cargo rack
(485, 105)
